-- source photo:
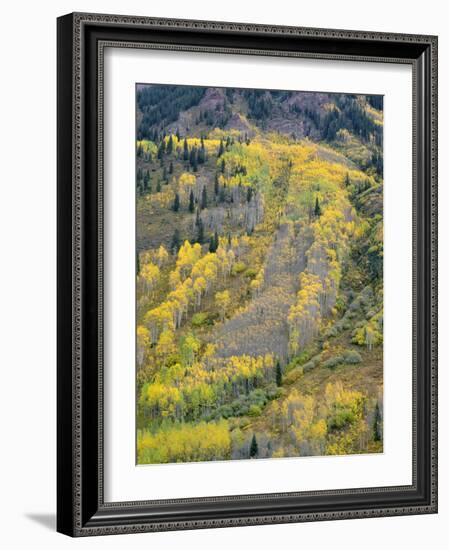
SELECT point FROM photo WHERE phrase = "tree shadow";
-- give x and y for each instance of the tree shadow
(46, 520)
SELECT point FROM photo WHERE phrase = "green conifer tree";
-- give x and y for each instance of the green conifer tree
(254, 447)
(200, 233)
(216, 185)
(317, 210)
(176, 203)
(191, 202)
(170, 145)
(278, 373)
(204, 198)
(175, 241)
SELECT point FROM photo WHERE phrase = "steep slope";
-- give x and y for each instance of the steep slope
(259, 287)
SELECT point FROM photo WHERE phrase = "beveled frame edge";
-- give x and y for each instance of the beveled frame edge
(71, 226)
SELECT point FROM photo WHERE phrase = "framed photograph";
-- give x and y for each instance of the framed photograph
(247, 279)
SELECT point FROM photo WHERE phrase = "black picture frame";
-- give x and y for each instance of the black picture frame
(81, 509)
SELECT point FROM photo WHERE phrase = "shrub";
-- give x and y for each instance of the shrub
(352, 357)
(314, 362)
(225, 411)
(340, 419)
(333, 331)
(239, 267)
(254, 410)
(308, 366)
(251, 272)
(333, 362)
(294, 375)
(200, 319)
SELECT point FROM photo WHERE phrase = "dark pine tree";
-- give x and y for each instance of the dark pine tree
(185, 155)
(223, 166)
(146, 181)
(178, 137)
(317, 210)
(376, 428)
(254, 447)
(170, 168)
(165, 174)
(212, 247)
(191, 202)
(278, 373)
(204, 198)
(202, 153)
(216, 185)
(158, 187)
(221, 148)
(170, 145)
(194, 159)
(200, 231)
(347, 180)
(214, 242)
(175, 242)
(176, 203)
(249, 194)
(161, 150)
(137, 263)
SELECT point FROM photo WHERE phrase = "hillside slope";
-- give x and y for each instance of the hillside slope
(259, 274)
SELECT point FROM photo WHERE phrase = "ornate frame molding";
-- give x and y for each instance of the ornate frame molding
(82, 511)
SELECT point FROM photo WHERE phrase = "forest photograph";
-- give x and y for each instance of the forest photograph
(259, 274)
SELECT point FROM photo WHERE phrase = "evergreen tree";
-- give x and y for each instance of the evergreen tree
(376, 428)
(212, 247)
(170, 168)
(158, 187)
(137, 263)
(317, 210)
(221, 148)
(191, 202)
(254, 447)
(216, 185)
(194, 159)
(223, 166)
(249, 194)
(165, 174)
(202, 153)
(214, 242)
(170, 145)
(161, 150)
(347, 180)
(185, 155)
(278, 373)
(204, 198)
(146, 181)
(175, 241)
(200, 234)
(176, 203)
(178, 137)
